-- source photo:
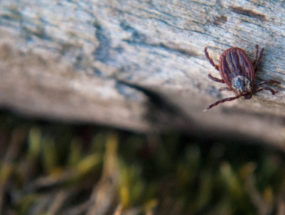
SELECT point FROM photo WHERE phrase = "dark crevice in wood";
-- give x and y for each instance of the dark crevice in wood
(160, 110)
(219, 20)
(246, 12)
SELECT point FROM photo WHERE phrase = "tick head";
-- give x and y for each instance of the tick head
(247, 96)
(242, 86)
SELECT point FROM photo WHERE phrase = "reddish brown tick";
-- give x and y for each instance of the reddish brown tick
(237, 72)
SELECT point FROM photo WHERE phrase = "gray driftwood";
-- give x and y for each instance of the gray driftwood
(62, 59)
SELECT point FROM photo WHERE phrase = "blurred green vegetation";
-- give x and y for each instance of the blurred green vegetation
(59, 168)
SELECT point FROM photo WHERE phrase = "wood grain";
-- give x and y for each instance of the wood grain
(62, 59)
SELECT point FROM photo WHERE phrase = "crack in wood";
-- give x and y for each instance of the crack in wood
(249, 13)
(219, 20)
(159, 107)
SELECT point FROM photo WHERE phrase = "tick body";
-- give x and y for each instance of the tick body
(237, 71)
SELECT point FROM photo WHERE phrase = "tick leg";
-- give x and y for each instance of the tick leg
(258, 57)
(210, 59)
(216, 79)
(225, 89)
(268, 82)
(222, 101)
(256, 54)
(267, 88)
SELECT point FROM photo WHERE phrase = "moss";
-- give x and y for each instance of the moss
(53, 167)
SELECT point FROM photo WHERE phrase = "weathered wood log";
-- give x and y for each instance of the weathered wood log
(63, 60)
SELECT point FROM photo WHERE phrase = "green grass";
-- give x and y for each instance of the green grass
(59, 168)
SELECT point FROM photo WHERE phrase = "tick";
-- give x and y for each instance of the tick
(237, 72)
